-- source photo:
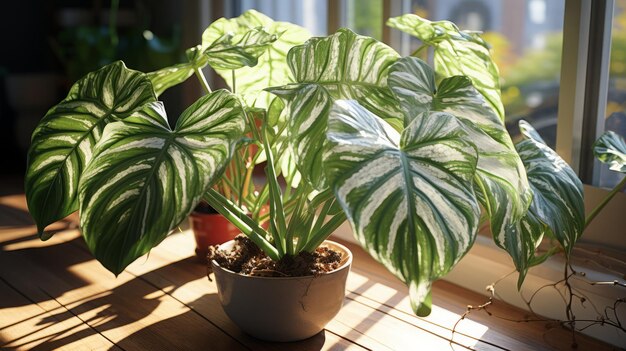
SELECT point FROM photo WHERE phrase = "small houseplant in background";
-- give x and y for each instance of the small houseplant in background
(355, 131)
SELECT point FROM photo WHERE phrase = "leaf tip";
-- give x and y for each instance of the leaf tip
(421, 298)
(520, 278)
(43, 234)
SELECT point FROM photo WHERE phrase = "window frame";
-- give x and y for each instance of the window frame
(582, 104)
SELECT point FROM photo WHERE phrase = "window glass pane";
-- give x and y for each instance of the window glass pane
(310, 14)
(615, 117)
(526, 39)
(364, 17)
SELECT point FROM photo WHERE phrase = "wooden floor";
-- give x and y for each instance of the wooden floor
(54, 295)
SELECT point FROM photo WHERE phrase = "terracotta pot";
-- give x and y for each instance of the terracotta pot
(283, 309)
(210, 229)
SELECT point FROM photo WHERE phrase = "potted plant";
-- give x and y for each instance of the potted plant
(355, 132)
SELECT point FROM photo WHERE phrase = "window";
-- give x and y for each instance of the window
(310, 14)
(615, 112)
(363, 16)
(526, 39)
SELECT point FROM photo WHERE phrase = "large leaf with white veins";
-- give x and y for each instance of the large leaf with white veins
(271, 68)
(610, 148)
(408, 196)
(342, 66)
(558, 197)
(62, 143)
(501, 182)
(457, 53)
(145, 178)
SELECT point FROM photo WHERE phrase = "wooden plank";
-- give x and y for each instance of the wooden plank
(24, 325)
(127, 311)
(449, 303)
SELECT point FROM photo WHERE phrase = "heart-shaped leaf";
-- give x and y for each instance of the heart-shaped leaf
(557, 208)
(272, 68)
(342, 66)
(501, 182)
(63, 142)
(456, 53)
(145, 178)
(407, 196)
(610, 148)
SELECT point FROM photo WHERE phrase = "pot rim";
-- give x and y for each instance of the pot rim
(345, 265)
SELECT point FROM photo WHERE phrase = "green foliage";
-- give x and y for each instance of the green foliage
(271, 68)
(63, 142)
(407, 195)
(145, 178)
(341, 66)
(226, 45)
(457, 52)
(557, 208)
(500, 180)
(610, 148)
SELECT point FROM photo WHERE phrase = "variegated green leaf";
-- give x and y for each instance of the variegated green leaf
(610, 148)
(501, 182)
(226, 45)
(558, 198)
(272, 68)
(235, 47)
(63, 142)
(523, 237)
(456, 53)
(407, 196)
(285, 160)
(144, 178)
(168, 77)
(342, 66)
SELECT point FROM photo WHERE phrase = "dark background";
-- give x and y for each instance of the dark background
(48, 45)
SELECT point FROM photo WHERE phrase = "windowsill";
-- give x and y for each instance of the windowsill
(485, 264)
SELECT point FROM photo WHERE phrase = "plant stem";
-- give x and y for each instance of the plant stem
(296, 220)
(604, 202)
(202, 80)
(244, 223)
(419, 50)
(249, 168)
(251, 123)
(317, 238)
(277, 212)
(233, 85)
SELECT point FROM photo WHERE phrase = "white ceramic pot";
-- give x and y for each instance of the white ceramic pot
(283, 309)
